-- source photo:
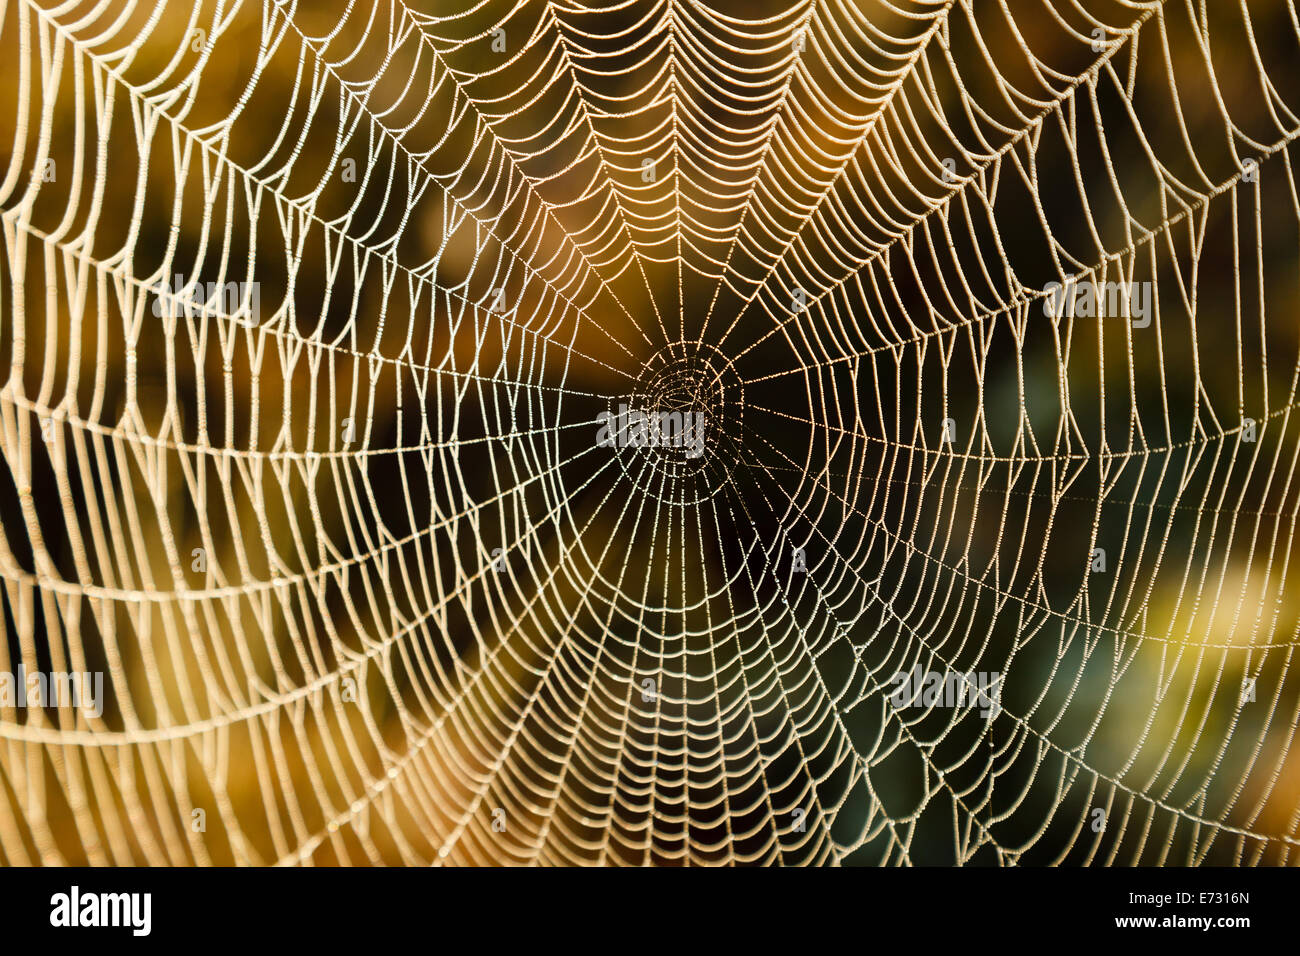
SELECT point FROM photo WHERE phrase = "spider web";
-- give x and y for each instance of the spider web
(314, 314)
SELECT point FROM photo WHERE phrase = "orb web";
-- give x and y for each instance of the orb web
(966, 334)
